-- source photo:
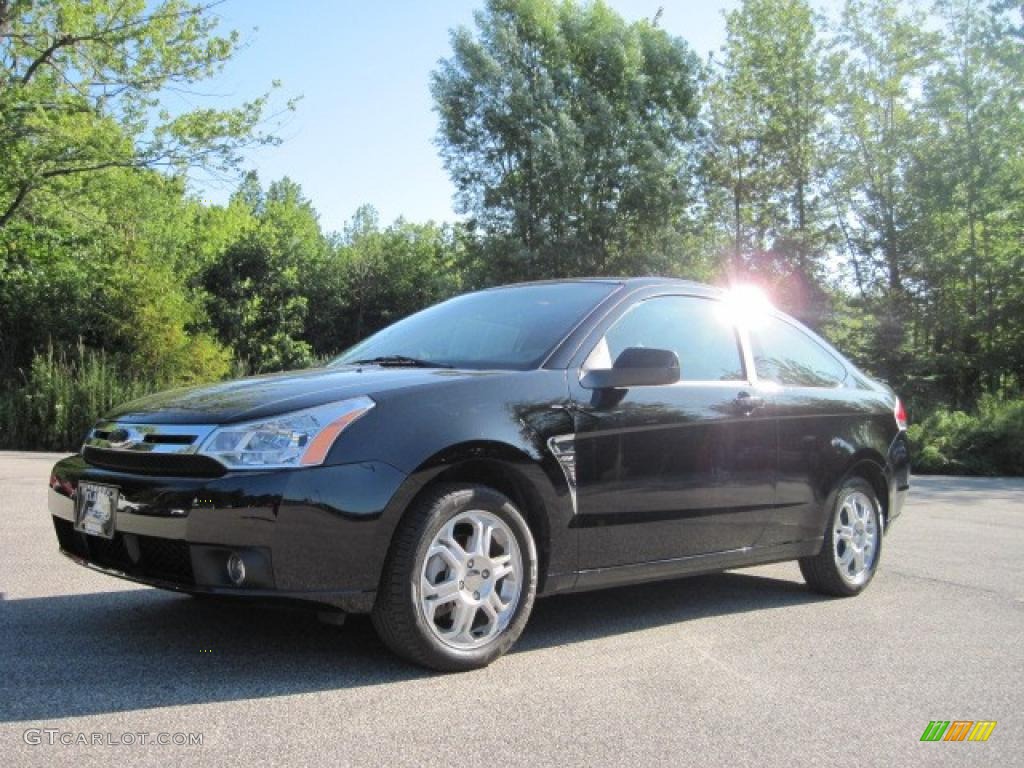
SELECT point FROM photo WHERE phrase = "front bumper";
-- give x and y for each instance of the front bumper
(318, 534)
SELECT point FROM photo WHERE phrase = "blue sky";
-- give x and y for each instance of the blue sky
(364, 129)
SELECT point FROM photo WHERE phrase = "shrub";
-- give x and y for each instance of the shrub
(63, 394)
(989, 441)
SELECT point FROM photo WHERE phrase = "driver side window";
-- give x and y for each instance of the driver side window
(696, 329)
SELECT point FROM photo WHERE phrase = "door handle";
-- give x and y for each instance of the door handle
(747, 403)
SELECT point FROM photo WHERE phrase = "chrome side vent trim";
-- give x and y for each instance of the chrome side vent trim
(563, 448)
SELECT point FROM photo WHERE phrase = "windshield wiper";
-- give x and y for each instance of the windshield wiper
(399, 361)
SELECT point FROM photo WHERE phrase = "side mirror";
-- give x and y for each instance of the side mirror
(635, 367)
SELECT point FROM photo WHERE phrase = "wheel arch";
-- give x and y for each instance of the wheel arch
(508, 470)
(871, 467)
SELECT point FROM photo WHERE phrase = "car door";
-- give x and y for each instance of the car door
(819, 420)
(671, 471)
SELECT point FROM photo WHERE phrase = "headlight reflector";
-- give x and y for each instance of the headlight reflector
(298, 439)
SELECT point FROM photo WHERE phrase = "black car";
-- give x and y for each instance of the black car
(519, 441)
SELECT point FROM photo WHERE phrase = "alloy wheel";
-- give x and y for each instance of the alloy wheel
(855, 538)
(471, 580)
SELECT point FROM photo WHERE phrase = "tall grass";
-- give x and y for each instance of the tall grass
(53, 404)
(61, 396)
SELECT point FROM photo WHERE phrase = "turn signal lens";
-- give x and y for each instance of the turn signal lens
(321, 444)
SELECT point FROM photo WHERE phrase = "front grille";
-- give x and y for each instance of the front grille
(170, 439)
(143, 463)
(145, 557)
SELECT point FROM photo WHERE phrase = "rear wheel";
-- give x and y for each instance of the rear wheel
(460, 580)
(853, 543)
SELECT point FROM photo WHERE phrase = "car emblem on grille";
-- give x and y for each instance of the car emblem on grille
(119, 438)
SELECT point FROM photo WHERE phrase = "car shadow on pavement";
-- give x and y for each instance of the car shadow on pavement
(76, 655)
(575, 618)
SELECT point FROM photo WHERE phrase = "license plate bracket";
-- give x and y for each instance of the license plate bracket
(96, 509)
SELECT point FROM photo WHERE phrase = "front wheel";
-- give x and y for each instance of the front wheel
(460, 580)
(852, 546)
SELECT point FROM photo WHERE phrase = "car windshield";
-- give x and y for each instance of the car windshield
(513, 328)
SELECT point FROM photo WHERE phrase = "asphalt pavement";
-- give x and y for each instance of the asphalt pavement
(740, 669)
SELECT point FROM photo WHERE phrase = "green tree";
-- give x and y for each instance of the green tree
(968, 189)
(255, 287)
(107, 270)
(81, 83)
(881, 54)
(375, 275)
(565, 130)
(765, 112)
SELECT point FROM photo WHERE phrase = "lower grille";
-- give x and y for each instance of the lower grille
(110, 553)
(167, 464)
(69, 539)
(145, 557)
(166, 559)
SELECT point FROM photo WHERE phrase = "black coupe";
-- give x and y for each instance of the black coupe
(505, 444)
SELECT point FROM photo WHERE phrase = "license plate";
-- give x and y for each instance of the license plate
(96, 508)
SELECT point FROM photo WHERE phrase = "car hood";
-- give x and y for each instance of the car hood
(257, 397)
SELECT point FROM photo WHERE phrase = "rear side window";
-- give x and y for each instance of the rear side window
(696, 329)
(788, 356)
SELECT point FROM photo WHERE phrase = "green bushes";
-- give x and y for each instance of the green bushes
(62, 395)
(987, 442)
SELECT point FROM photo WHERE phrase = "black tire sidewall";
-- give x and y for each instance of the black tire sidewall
(444, 509)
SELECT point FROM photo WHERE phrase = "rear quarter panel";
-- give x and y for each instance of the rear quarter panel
(823, 434)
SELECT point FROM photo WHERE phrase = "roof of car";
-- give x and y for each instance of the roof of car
(632, 282)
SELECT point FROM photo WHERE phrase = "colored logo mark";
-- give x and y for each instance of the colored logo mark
(958, 730)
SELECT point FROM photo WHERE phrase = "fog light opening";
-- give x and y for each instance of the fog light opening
(236, 569)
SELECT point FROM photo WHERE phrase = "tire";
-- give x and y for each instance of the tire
(854, 527)
(449, 596)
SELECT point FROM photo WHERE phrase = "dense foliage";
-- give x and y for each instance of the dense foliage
(865, 169)
(987, 442)
(567, 132)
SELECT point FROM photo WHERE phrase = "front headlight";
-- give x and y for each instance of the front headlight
(299, 439)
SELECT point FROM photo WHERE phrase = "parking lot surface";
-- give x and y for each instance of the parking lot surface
(740, 669)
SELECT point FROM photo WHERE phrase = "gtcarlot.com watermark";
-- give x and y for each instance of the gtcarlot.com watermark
(54, 737)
